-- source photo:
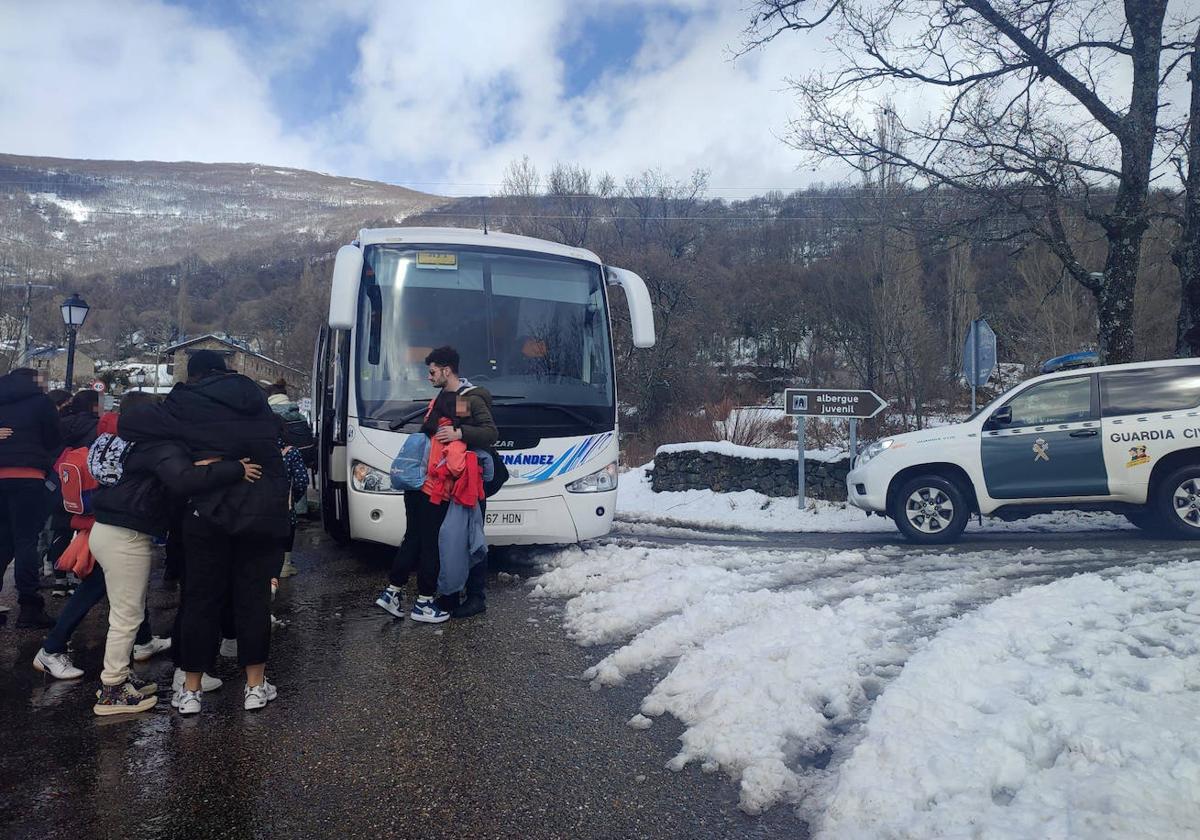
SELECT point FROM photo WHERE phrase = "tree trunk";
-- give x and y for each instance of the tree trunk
(1114, 299)
(1186, 255)
(1127, 223)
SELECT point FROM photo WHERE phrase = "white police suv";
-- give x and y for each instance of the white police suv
(1123, 438)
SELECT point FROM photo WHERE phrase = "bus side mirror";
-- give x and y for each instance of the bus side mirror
(343, 292)
(641, 313)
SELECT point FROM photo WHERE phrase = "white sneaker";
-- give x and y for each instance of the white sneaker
(289, 569)
(229, 648)
(155, 646)
(427, 610)
(189, 702)
(392, 601)
(207, 681)
(258, 696)
(57, 665)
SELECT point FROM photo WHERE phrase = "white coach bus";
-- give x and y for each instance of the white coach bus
(530, 320)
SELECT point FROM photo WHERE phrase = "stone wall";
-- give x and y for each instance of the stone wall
(706, 470)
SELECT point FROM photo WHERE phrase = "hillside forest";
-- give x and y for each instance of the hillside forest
(865, 285)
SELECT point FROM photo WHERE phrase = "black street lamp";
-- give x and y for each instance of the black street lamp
(74, 313)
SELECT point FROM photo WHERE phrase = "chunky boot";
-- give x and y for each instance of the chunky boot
(33, 616)
(473, 605)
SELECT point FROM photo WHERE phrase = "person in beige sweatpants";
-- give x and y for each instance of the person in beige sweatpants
(125, 555)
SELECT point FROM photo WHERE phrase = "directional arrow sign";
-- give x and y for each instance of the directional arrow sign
(825, 402)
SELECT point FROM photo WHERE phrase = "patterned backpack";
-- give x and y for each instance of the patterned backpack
(106, 458)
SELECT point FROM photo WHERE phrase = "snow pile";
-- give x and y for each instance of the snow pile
(750, 510)
(772, 659)
(1068, 710)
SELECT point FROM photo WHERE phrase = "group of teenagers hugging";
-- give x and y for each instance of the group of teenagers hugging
(210, 468)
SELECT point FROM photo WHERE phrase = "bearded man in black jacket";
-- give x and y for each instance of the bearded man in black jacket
(231, 535)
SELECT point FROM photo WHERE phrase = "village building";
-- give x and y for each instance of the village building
(238, 357)
(53, 360)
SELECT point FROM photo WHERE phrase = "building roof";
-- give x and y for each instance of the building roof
(236, 345)
(51, 352)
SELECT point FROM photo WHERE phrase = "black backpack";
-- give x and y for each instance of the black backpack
(499, 474)
(298, 434)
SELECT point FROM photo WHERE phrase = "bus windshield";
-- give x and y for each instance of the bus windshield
(533, 330)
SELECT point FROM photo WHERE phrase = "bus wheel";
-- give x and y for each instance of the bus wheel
(1177, 499)
(930, 510)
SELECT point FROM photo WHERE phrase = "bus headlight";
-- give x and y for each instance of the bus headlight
(597, 482)
(871, 451)
(366, 479)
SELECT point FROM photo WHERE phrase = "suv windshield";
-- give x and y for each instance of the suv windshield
(533, 330)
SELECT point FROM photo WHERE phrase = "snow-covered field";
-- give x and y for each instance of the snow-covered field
(748, 510)
(878, 691)
(902, 692)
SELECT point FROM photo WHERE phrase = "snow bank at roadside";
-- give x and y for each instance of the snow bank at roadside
(1067, 710)
(749, 510)
(772, 659)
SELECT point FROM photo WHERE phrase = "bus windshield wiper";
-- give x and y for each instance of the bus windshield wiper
(570, 412)
(404, 421)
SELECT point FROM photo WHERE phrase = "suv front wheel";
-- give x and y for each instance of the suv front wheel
(1177, 499)
(930, 510)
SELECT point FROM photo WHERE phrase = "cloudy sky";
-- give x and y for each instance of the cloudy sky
(439, 96)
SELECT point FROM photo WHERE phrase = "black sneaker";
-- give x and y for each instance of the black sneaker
(33, 616)
(473, 605)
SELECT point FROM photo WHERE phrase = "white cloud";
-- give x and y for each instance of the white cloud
(132, 79)
(434, 81)
(450, 91)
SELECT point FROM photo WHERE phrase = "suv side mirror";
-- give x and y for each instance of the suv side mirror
(1000, 417)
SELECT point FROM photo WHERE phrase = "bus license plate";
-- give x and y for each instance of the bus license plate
(505, 518)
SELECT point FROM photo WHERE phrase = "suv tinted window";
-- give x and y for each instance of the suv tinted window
(1150, 390)
(1057, 401)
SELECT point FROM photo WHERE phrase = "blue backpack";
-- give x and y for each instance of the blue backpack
(408, 467)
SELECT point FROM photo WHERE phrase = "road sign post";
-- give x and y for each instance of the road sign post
(828, 402)
(800, 460)
(979, 356)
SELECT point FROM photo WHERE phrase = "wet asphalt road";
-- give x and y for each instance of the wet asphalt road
(480, 728)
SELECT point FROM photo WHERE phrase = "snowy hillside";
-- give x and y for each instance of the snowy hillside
(86, 216)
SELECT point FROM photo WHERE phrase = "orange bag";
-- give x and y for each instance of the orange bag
(77, 557)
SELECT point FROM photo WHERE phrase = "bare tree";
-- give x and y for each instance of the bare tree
(1034, 122)
(1187, 250)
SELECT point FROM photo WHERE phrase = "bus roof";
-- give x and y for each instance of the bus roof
(470, 236)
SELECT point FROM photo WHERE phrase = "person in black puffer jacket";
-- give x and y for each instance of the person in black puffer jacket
(28, 448)
(232, 535)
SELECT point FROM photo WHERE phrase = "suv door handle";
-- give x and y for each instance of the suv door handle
(1084, 433)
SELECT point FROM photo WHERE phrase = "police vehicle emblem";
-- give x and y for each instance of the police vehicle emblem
(1041, 450)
